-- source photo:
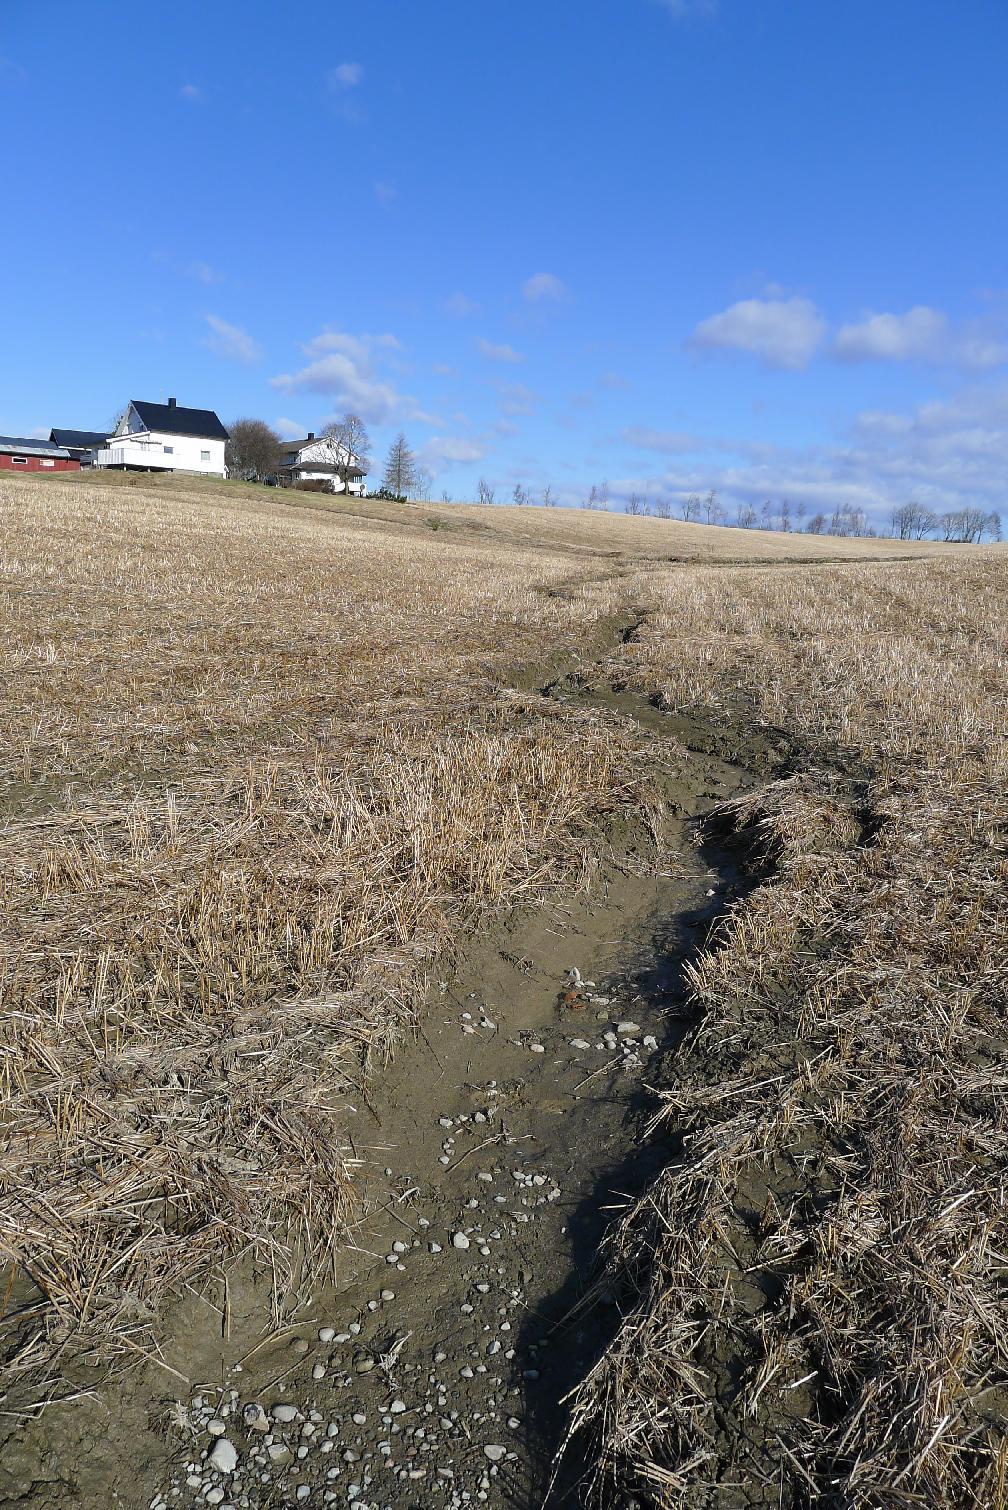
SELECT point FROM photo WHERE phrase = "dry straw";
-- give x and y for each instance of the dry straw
(814, 1289)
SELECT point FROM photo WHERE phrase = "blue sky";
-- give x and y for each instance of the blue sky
(753, 244)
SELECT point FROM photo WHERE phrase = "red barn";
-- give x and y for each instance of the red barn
(18, 454)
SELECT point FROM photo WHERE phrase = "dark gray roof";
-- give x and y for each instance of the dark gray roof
(324, 467)
(172, 419)
(79, 440)
(26, 446)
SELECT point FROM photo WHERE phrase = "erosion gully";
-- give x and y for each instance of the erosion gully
(495, 1151)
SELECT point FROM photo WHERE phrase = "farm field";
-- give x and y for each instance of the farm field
(308, 812)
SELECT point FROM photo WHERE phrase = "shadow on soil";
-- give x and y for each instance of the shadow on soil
(574, 1327)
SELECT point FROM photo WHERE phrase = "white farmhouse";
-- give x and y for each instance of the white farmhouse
(319, 459)
(165, 438)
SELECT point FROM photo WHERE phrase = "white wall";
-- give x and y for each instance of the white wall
(179, 453)
(322, 451)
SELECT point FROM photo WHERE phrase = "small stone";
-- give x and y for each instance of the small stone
(580, 1043)
(435, 1247)
(537, 1048)
(214, 1496)
(216, 1427)
(388, 1295)
(494, 1453)
(278, 1452)
(300, 1347)
(363, 1363)
(460, 1240)
(628, 1027)
(255, 1417)
(326, 1334)
(397, 1407)
(284, 1414)
(318, 1372)
(224, 1456)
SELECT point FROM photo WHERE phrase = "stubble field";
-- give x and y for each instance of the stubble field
(266, 762)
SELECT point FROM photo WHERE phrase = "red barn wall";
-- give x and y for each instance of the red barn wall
(59, 463)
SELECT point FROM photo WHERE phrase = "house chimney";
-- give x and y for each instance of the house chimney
(311, 434)
(171, 403)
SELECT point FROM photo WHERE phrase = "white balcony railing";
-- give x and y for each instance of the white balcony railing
(132, 456)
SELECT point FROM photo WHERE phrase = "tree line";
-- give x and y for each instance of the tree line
(254, 453)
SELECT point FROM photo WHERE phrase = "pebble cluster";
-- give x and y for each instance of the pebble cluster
(407, 1404)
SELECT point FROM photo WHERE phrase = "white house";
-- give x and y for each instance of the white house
(165, 438)
(319, 459)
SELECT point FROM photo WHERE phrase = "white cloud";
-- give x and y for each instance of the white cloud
(946, 453)
(346, 76)
(450, 450)
(515, 398)
(543, 286)
(781, 332)
(501, 353)
(922, 334)
(231, 341)
(289, 429)
(686, 10)
(919, 335)
(360, 348)
(459, 306)
(345, 370)
(660, 440)
(204, 273)
(191, 92)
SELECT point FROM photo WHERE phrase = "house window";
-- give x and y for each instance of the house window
(169, 450)
(204, 456)
(19, 461)
(48, 462)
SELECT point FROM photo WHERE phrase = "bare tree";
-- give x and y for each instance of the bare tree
(712, 508)
(663, 508)
(745, 519)
(994, 527)
(785, 516)
(816, 525)
(252, 451)
(486, 492)
(423, 482)
(400, 475)
(348, 446)
(690, 507)
(766, 515)
(636, 504)
(519, 497)
(549, 497)
(968, 526)
(603, 494)
(445, 496)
